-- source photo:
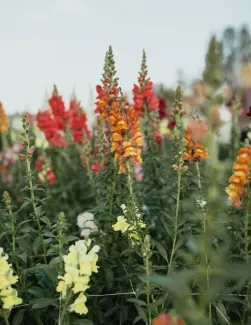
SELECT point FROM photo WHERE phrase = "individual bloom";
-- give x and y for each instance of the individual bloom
(162, 108)
(83, 218)
(61, 287)
(121, 224)
(88, 228)
(165, 319)
(249, 112)
(138, 172)
(51, 177)
(199, 152)
(237, 182)
(3, 120)
(39, 163)
(79, 306)
(171, 125)
(11, 300)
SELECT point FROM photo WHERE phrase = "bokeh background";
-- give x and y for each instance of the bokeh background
(64, 42)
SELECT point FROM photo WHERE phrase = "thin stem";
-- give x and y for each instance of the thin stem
(198, 174)
(148, 290)
(112, 190)
(176, 214)
(204, 231)
(246, 254)
(33, 201)
(6, 318)
(65, 307)
(14, 245)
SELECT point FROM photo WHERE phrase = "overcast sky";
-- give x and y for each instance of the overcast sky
(64, 42)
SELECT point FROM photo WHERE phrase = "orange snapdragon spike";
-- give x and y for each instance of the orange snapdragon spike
(236, 189)
(165, 319)
(194, 150)
(3, 120)
(126, 139)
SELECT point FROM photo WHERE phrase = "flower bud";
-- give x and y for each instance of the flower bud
(21, 156)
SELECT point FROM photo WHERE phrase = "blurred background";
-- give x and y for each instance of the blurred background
(64, 42)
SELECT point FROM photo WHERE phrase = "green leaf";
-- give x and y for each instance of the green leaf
(142, 314)
(37, 244)
(18, 318)
(23, 257)
(136, 320)
(44, 302)
(49, 234)
(162, 251)
(21, 224)
(221, 313)
(24, 205)
(36, 291)
(137, 301)
(52, 273)
(46, 220)
(70, 238)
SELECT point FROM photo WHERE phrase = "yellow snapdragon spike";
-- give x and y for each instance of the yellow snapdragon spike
(79, 265)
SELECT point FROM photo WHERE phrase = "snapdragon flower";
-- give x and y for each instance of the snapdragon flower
(8, 295)
(79, 265)
(124, 225)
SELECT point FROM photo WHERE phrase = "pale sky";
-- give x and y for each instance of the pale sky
(64, 42)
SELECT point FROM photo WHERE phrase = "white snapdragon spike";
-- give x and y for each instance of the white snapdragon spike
(83, 218)
(88, 228)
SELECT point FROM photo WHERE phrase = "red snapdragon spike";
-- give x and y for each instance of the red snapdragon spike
(78, 122)
(249, 113)
(162, 108)
(39, 164)
(51, 176)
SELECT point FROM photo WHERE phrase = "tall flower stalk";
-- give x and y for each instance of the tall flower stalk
(179, 166)
(27, 157)
(8, 203)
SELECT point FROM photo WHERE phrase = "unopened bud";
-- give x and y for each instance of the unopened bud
(175, 167)
(185, 168)
(29, 154)
(183, 112)
(21, 156)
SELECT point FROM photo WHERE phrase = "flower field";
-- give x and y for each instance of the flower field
(131, 221)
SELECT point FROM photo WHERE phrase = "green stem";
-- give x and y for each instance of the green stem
(14, 245)
(6, 318)
(198, 174)
(204, 230)
(246, 254)
(33, 201)
(112, 190)
(176, 215)
(148, 290)
(65, 307)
